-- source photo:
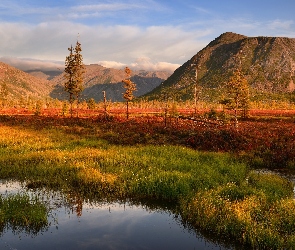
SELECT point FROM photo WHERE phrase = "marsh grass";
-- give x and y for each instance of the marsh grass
(211, 191)
(22, 213)
(259, 214)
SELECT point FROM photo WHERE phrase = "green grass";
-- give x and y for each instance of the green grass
(20, 213)
(212, 191)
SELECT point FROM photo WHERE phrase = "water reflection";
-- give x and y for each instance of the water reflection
(77, 224)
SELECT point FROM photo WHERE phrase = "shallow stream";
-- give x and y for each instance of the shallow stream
(76, 224)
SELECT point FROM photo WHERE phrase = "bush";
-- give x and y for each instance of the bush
(218, 140)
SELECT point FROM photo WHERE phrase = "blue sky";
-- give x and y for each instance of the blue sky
(145, 34)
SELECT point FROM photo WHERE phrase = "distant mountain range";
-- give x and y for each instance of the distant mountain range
(45, 84)
(268, 63)
(98, 78)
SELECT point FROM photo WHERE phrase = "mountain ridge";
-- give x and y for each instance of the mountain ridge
(268, 64)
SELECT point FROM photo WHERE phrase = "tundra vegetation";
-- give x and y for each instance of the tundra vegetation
(139, 159)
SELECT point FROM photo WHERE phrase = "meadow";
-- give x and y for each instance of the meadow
(205, 172)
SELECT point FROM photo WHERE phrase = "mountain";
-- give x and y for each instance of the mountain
(43, 84)
(268, 64)
(98, 78)
(21, 85)
(45, 74)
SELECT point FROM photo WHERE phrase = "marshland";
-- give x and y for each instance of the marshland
(219, 191)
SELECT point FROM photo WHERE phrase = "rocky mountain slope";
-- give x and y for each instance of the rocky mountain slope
(21, 85)
(268, 63)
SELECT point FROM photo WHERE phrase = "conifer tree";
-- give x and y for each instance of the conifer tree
(237, 93)
(130, 88)
(74, 71)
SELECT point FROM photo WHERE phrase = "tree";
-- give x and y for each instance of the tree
(130, 87)
(74, 71)
(91, 104)
(38, 108)
(237, 94)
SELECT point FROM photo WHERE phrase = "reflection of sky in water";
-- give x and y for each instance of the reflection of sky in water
(108, 226)
(9, 187)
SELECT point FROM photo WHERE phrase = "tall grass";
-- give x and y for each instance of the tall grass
(213, 191)
(22, 213)
(246, 214)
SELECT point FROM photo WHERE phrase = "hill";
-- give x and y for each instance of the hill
(268, 63)
(21, 85)
(98, 78)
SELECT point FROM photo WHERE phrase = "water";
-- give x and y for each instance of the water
(76, 224)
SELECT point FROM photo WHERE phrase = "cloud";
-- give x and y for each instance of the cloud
(30, 64)
(78, 10)
(113, 6)
(201, 10)
(26, 64)
(278, 24)
(112, 64)
(123, 44)
(147, 64)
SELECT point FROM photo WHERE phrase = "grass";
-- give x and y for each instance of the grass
(213, 191)
(21, 213)
(247, 214)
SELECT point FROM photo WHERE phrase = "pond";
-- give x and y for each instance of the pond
(77, 224)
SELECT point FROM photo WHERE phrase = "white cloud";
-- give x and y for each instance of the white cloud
(112, 64)
(120, 44)
(77, 10)
(139, 64)
(201, 10)
(278, 24)
(30, 64)
(104, 7)
(147, 64)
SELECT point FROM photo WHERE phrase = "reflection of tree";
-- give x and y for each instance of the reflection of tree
(75, 203)
(22, 214)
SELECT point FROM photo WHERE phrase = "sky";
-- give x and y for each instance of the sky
(140, 34)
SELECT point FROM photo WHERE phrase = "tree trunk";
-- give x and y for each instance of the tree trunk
(127, 110)
(195, 100)
(236, 119)
(71, 105)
